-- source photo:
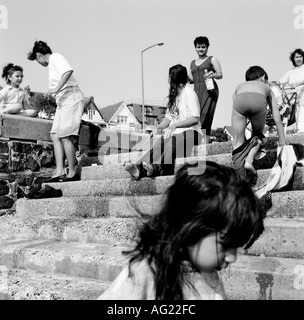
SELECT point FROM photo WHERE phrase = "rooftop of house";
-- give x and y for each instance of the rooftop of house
(109, 111)
(229, 129)
(135, 108)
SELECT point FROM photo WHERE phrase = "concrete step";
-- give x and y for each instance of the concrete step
(115, 170)
(119, 159)
(260, 278)
(97, 230)
(226, 147)
(89, 260)
(146, 186)
(282, 237)
(286, 204)
(114, 187)
(23, 284)
(217, 152)
(201, 150)
(88, 207)
(249, 278)
(289, 204)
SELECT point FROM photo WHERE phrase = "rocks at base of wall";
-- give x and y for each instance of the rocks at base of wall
(23, 155)
(6, 202)
(4, 188)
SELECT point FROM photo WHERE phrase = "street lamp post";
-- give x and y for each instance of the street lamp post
(142, 82)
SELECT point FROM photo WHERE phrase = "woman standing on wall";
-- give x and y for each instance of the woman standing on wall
(205, 68)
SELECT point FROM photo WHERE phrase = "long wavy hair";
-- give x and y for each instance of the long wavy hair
(194, 206)
(8, 70)
(177, 76)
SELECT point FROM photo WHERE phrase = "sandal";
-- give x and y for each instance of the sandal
(76, 177)
(55, 179)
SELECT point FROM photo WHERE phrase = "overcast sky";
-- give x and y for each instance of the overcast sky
(103, 39)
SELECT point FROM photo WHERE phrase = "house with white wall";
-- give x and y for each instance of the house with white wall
(119, 117)
(91, 113)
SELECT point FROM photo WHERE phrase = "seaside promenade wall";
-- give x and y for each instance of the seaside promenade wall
(26, 152)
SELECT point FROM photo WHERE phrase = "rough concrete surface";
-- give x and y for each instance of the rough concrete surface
(89, 260)
(31, 285)
(70, 247)
(260, 278)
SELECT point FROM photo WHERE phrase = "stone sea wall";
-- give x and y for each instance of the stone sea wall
(20, 156)
(26, 152)
(20, 163)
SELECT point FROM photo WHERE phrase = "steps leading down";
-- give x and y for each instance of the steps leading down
(71, 247)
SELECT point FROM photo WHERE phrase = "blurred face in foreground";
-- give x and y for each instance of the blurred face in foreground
(210, 253)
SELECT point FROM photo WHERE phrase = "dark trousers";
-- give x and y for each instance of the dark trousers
(163, 152)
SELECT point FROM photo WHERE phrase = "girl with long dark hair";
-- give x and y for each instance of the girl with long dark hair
(204, 218)
(180, 128)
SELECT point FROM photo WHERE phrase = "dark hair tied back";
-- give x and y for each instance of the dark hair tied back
(9, 69)
(39, 47)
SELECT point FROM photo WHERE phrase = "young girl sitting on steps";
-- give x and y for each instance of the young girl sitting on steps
(13, 97)
(205, 217)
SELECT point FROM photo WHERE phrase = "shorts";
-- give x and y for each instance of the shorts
(70, 105)
(250, 104)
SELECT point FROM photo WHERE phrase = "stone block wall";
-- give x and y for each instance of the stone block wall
(20, 163)
(20, 155)
(26, 152)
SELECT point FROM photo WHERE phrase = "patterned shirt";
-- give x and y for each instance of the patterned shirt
(10, 96)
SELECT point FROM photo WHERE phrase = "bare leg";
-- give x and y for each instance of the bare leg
(239, 123)
(70, 153)
(59, 155)
(15, 109)
(258, 125)
(249, 159)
